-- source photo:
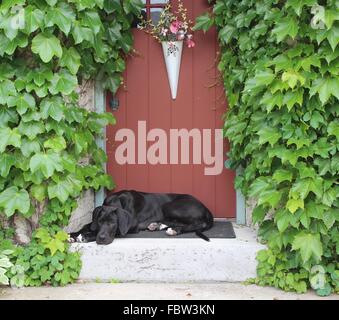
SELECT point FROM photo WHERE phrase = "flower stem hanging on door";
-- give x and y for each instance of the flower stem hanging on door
(171, 30)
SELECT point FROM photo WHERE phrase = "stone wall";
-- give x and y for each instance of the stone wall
(83, 214)
(250, 204)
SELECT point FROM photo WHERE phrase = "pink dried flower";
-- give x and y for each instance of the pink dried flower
(190, 43)
(175, 26)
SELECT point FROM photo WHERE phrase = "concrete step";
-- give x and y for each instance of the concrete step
(172, 259)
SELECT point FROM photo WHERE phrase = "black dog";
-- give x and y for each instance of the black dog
(131, 211)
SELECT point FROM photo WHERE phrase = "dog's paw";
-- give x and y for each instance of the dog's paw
(80, 239)
(70, 239)
(171, 232)
(154, 226)
(162, 227)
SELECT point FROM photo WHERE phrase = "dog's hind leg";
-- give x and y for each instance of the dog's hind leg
(183, 229)
(195, 227)
(157, 226)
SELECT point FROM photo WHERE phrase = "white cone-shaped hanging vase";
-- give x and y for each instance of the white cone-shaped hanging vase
(172, 54)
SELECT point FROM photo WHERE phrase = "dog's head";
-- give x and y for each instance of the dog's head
(108, 222)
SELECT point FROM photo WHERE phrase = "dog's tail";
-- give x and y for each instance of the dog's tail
(202, 236)
(205, 226)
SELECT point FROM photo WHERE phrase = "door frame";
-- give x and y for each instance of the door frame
(100, 107)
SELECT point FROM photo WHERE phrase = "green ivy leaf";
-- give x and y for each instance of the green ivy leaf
(227, 33)
(31, 129)
(55, 245)
(63, 82)
(12, 199)
(204, 22)
(325, 87)
(133, 6)
(7, 115)
(52, 107)
(297, 5)
(91, 19)
(60, 190)
(286, 27)
(112, 83)
(259, 214)
(34, 19)
(46, 46)
(322, 147)
(9, 137)
(329, 218)
(333, 37)
(270, 100)
(310, 61)
(283, 219)
(114, 32)
(7, 4)
(291, 98)
(301, 188)
(39, 192)
(57, 144)
(23, 102)
(292, 77)
(7, 89)
(264, 78)
(281, 175)
(28, 147)
(330, 16)
(62, 16)
(333, 129)
(6, 162)
(294, 204)
(70, 59)
(61, 235)
(81, 33)
(52, 3)
(271, 197)
(309, 246)
(259, 185)
(47, 163)
(325, 291)
(270, 135)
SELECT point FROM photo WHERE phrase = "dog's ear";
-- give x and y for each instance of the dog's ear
(94, 224)
(124, 221)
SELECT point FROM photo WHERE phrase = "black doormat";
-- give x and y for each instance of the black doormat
(220, 230)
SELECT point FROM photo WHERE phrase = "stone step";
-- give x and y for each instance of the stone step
(172, 259)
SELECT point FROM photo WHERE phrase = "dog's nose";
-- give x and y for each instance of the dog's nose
(101, 237)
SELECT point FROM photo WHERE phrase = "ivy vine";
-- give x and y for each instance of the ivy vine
(48, 151)
(280, 65)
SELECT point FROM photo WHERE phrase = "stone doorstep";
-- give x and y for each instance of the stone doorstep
(172, 260)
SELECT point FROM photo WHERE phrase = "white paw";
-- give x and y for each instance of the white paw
(171, 232)
(162, 226)
(80, 238)
(153, 226)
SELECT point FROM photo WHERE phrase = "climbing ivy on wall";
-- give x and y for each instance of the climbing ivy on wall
(47, 142)
(280, 65)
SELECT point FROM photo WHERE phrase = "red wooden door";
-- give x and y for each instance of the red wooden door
(199, 104)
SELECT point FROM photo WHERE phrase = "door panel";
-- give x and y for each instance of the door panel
(145, 96)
